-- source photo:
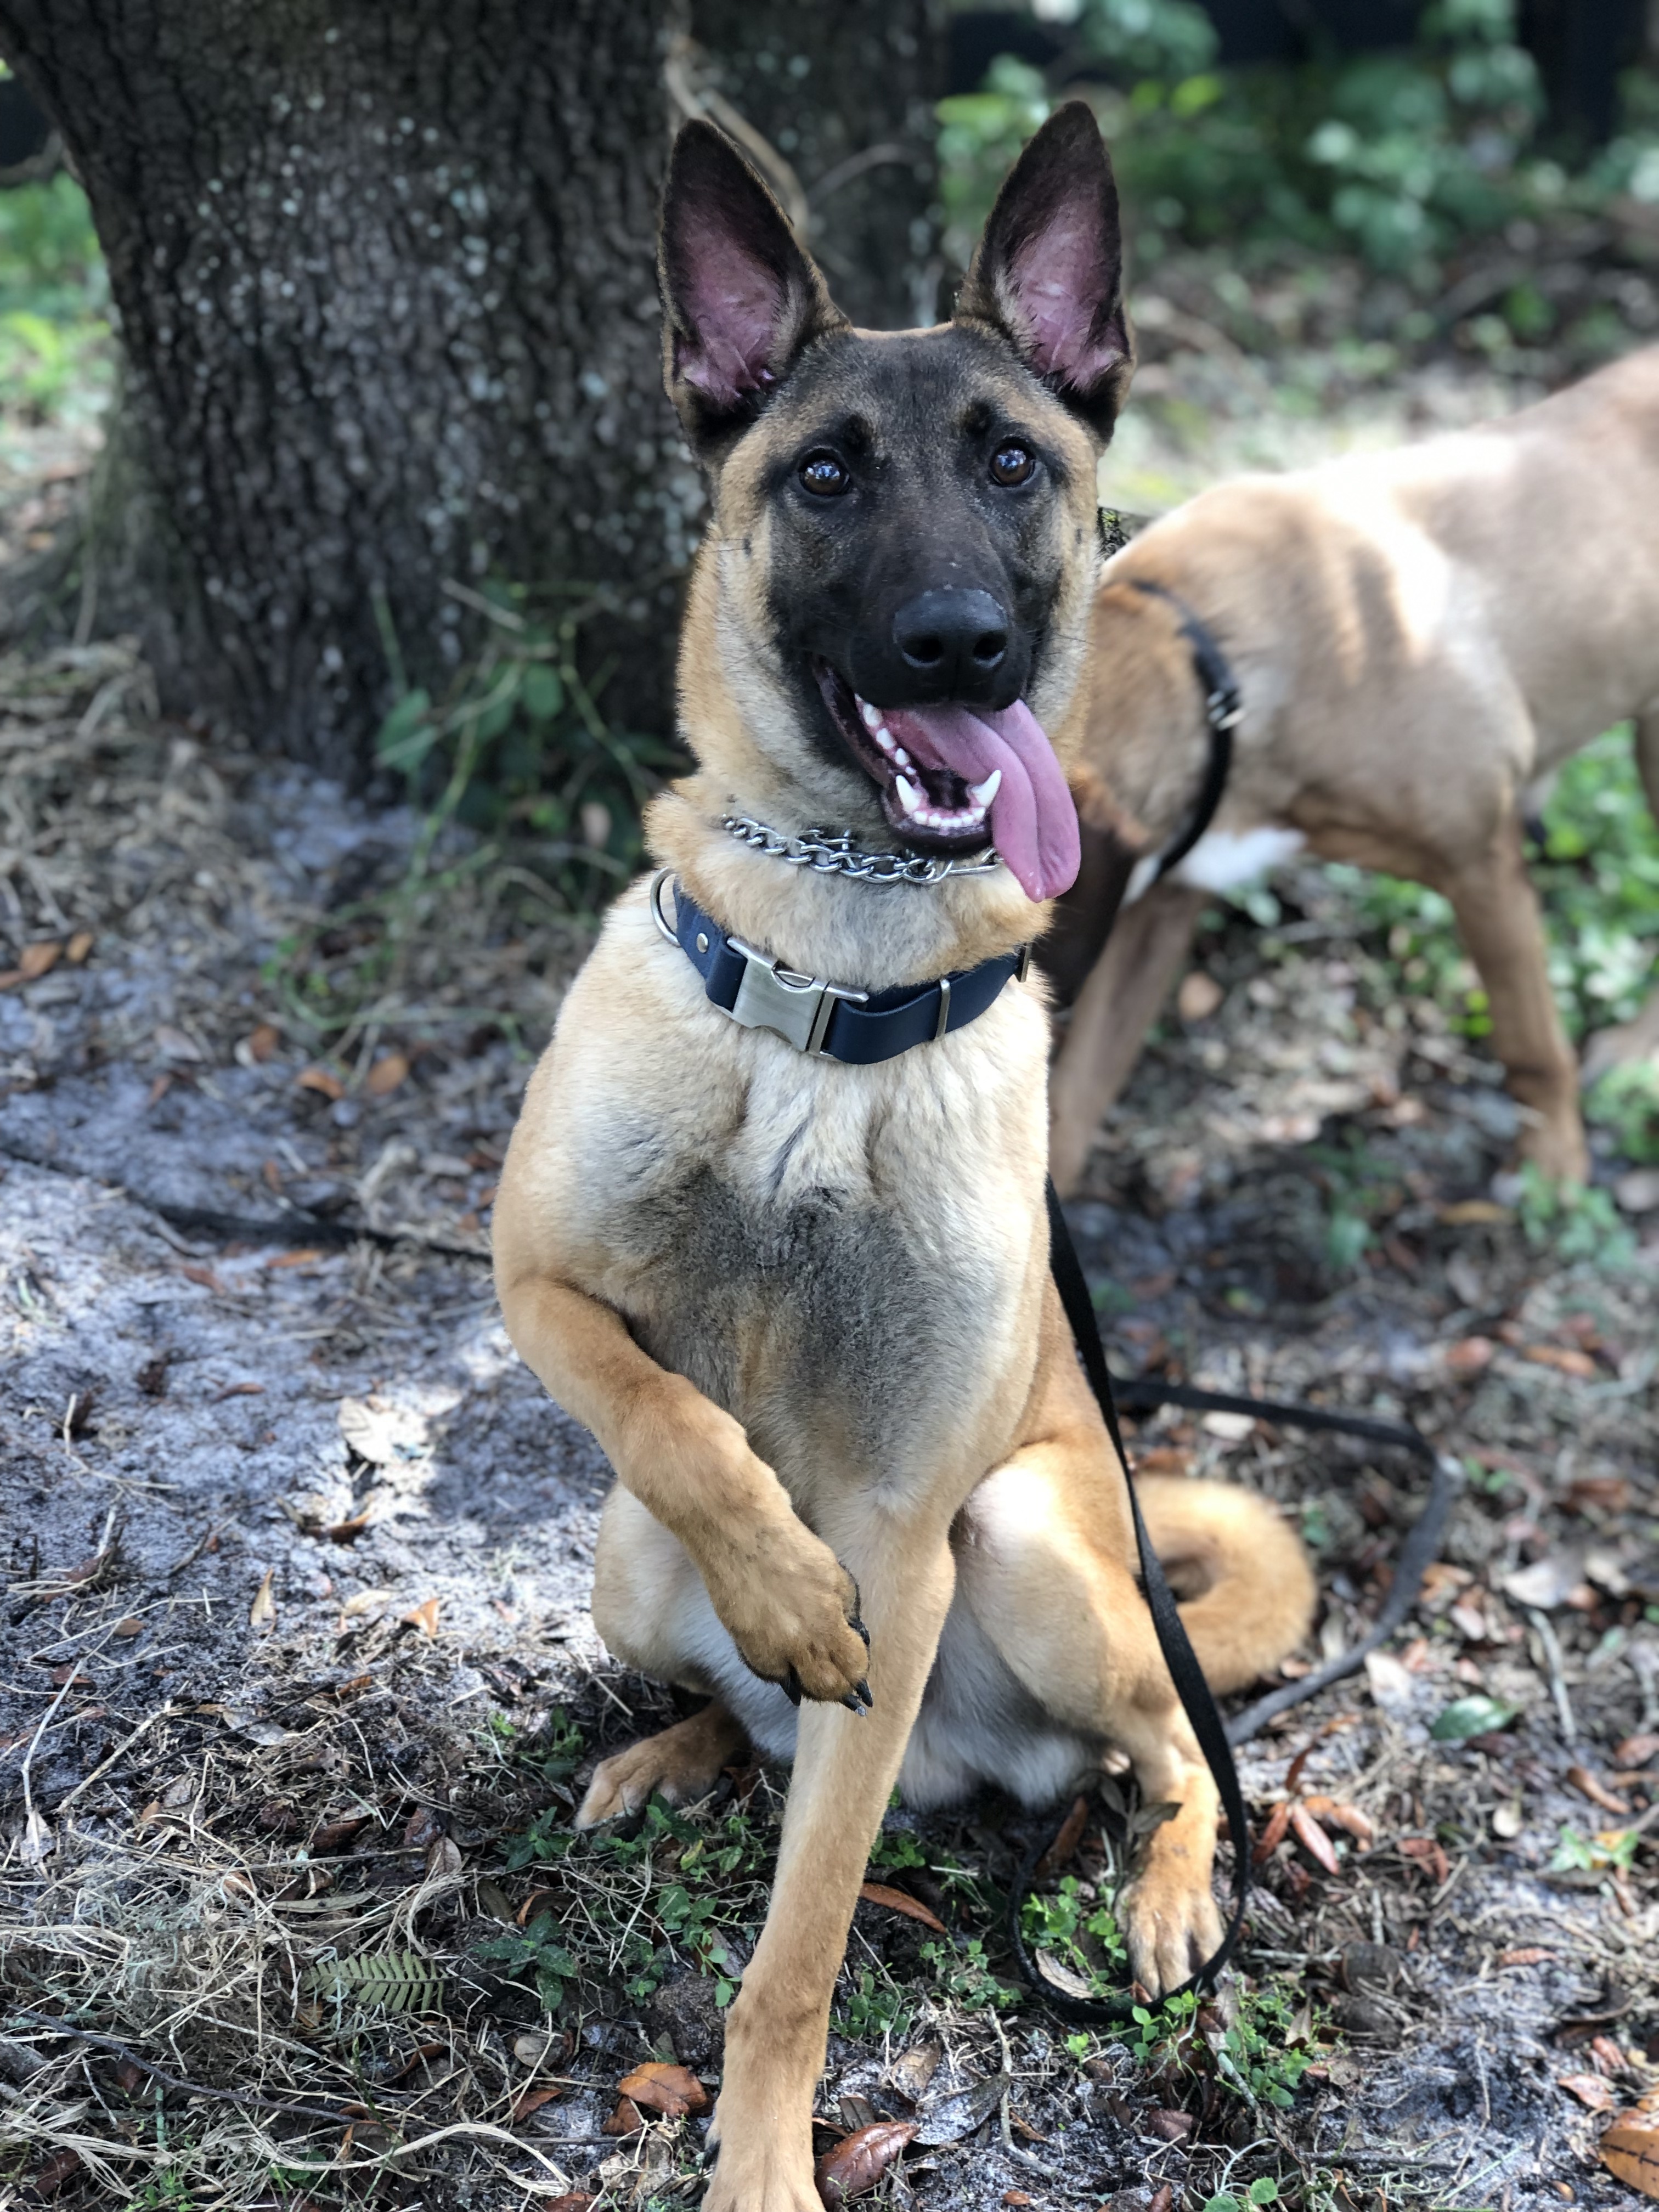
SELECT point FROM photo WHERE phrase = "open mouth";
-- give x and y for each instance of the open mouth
(954, 778)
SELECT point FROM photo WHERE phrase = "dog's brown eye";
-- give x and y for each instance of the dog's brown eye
(823, 474)
(1011, 464)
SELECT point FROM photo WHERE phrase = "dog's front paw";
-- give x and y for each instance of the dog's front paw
(1171, 1925)
(793, 1615)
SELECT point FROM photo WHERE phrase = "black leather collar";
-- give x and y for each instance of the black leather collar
(1224, 708)
(822, 1018)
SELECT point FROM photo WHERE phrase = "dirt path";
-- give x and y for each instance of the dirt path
(296, 1676)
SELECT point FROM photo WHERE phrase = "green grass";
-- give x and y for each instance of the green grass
(54, 299)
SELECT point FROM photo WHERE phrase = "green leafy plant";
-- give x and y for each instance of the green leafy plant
(54, 299)
(1575, 1221)
(538, 1950)
(1264, 2190)
(874, 2007)
(391, 1981)
(1073, 1926)
(1614, 1851)
(519, 739)
(960, 1974)
(1397, 155)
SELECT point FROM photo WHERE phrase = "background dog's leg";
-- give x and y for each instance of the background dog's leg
(1114, 1009)
(787, 1603)
(845, 1770)
(1630, 1041)
(1497, 911)
(682, 1764)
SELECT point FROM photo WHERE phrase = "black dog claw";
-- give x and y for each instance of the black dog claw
(861, 1692)
(791, 1686)
(852, 1704)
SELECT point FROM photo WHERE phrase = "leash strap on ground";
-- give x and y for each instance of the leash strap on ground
(1179, 1656)
(1215, 1740)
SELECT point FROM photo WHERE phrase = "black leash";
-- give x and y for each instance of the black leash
(1224, 709)
(1215, 1738)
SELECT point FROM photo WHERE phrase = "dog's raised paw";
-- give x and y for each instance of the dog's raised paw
(793, 1617)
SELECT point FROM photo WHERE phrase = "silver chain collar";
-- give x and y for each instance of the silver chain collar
(832, 852)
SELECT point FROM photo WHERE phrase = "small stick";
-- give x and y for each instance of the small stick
(1551, 1643)
(171, 2080)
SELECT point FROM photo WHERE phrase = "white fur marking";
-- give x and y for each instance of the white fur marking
(1222, 858)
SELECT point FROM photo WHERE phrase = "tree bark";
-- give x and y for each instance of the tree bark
(845, 93)
(384, 276)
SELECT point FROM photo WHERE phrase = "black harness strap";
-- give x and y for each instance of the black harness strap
(1215, 1738)
(1224, 706)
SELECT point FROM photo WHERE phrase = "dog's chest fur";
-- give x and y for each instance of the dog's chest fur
(831, 1254)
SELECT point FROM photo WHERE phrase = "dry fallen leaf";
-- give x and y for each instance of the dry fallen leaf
(322, 1080)
(1527, 1954)
(1169, 2126)
(306, 1258)
(423, 1616)
(1313, 1839)
(1273, 1835)
(627, 2120)
(1578, 1364)
(533, 2099)
(1199, 997)
(131, 1626)
(858, 2161)
(263, 1043)
(1429, 1855)
(1059, 1853)
(916, 2070)
(1470, 1355)
(1598, 1793)
(263, 1610)
(1468, 1212)
(388, 1072)
(1636, 1751)
(39, 959)
(575, 2200)
(673, 2091)
(1348, 1817)
(1591, 2089)
(443, 1858)
(899, 1900)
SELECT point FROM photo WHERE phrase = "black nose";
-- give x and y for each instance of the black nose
(957, 640)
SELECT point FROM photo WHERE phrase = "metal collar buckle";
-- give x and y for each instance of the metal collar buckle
(798, 1008)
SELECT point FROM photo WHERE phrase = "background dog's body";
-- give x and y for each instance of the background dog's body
(1419, 637)
(804, 1305)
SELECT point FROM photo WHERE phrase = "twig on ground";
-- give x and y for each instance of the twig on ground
(1552, 1645)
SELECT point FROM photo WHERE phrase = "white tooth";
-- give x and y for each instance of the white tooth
(908, 797)
(884, 740)
(899, 754)
(983, 793)
(872, 714)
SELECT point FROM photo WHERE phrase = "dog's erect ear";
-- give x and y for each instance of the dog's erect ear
(1048, 271)
(739, 297)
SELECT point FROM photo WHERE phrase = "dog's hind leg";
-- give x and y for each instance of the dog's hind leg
(1498, 915)
(1636, 1040)
(1046, 1562)
(651, 1608)
(1114, 1009)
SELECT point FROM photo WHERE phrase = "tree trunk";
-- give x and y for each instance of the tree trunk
(846, 92)
(384, 282)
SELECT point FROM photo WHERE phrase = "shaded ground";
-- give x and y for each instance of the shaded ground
(296, 1679)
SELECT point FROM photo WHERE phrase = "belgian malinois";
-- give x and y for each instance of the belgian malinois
(772, 1223)
(1418, 638)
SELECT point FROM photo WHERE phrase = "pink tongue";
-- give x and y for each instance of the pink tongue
(1033, 821)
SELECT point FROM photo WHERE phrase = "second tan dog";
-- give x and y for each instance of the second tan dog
(1417, 638)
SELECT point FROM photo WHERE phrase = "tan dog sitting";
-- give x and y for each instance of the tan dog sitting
(773, 1220)
(1416, 638)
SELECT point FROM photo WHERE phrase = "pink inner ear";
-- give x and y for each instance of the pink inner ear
(732, 303)
(1060, 285)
